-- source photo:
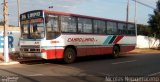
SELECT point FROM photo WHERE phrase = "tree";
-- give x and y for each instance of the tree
(154, 22)
(1, 23)
(143, 29)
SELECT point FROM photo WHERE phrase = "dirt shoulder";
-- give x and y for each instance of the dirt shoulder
(143, 51)
(11, 56)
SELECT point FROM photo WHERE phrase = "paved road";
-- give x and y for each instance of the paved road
(87, 69)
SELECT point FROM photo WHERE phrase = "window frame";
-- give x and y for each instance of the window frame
(132, 30)
(99, 22)
(124, 29)
(58, 28)
(72, 22)
(91, 21)
(83, 26)
(114, 29)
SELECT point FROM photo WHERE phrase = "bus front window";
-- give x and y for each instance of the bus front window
(33, 30)
(37, 31)
(24, 31)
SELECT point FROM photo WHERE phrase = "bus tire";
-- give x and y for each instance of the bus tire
(116, 52)
(69, 55)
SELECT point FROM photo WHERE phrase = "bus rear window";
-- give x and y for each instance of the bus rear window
(131, 29)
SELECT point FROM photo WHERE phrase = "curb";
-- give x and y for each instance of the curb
(9, 63)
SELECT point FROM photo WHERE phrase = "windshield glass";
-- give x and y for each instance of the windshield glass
(33, 29)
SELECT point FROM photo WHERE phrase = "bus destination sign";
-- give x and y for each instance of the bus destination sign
(30, 15)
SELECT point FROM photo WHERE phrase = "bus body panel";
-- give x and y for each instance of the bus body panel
(35, 22)
(85, 44)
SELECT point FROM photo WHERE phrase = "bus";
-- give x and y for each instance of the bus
(49, 34)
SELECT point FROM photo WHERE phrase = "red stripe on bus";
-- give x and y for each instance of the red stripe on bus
(94, 51)
(101, 50)
(118, 38)
(52, 42)
(54, 53)
(58, 53)
(127, 48)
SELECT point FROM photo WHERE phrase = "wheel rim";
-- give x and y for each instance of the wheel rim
(69, 55)
(116, 52)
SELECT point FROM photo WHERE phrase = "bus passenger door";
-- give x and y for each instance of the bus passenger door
(52, 32)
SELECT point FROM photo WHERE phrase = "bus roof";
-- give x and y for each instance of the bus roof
(77, 15)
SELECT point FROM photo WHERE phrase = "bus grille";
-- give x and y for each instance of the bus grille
(30, 49)
(30, 46)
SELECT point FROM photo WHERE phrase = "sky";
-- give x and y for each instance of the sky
(112, 9)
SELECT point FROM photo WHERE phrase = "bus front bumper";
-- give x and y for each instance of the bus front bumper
(32, 56)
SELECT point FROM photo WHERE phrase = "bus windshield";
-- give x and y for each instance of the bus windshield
(33, 29)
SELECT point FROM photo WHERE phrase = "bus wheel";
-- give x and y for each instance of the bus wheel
(69, 55)
(115, 52)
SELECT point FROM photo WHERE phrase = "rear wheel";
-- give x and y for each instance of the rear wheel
(69, 55)
(115, 52)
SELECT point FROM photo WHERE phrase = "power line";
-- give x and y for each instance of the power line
(144, 4)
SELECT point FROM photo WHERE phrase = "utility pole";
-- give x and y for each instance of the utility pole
(18, 5)
(127, 13)
(135, 16)
(5, 14)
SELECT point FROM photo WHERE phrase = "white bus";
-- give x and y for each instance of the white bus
(58, 35)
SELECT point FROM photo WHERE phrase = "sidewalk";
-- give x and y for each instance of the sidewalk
(11, 62)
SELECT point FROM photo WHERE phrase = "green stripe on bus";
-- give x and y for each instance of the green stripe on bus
(111, 41)
(107, 39)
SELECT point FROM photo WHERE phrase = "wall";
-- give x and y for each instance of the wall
(147, 42)
(10, 28)
(13, 38)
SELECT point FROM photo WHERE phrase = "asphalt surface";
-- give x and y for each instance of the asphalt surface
(86, 69)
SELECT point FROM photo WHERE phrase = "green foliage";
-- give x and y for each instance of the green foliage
(143, 30)
(154, 22)
(1, 23)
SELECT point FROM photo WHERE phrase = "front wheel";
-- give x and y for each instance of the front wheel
(115, 52)
(69, 55)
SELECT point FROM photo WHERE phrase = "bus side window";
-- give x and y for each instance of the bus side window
(122, 28)
(68, 24)
(52, 27)
(80, 25)
(84, 25)
(111, 28)
(99, 27)
(131, 29)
